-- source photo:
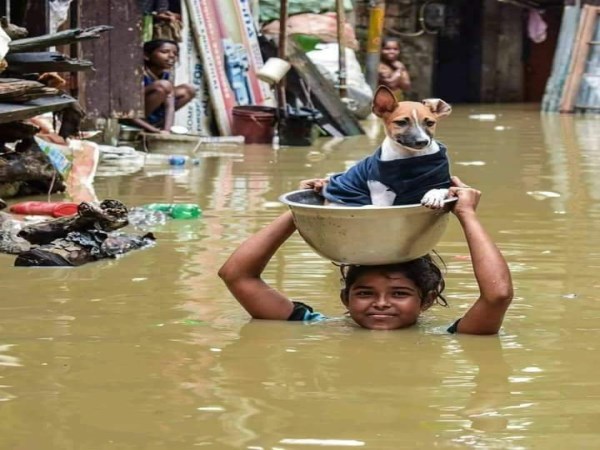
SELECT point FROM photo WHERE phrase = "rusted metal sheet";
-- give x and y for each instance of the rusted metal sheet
(115, 89)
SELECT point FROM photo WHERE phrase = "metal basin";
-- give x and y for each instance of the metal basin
(365, 235)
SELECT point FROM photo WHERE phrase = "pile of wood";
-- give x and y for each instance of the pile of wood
(14, 90)
(26, 91)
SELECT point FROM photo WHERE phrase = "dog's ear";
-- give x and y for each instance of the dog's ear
(438, 106)
(384, 101)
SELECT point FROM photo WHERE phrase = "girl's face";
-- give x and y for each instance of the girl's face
(164, 57)
(384, 301)
(390, 51)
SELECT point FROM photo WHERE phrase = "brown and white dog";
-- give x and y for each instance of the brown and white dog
(409, 167)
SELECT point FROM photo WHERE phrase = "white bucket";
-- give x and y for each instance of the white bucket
(273, 70)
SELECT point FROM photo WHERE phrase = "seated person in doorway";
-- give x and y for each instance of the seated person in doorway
(161, 97)
(392, 73)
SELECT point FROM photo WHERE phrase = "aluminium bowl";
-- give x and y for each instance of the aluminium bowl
(368, 235)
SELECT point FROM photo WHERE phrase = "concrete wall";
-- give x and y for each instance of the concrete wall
(501, 47)
(417, 52)
(502, 65)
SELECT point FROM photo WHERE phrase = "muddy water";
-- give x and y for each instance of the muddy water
(151, 352)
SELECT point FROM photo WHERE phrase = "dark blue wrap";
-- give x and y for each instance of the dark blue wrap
(409, 178)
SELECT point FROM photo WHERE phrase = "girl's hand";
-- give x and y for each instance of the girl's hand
(468, 198)
(316, 184)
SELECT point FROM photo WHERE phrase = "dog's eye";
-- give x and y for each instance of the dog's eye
(429, 123)
(401, 123)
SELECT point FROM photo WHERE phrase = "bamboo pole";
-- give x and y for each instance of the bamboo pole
(374, 38)
(341, 20)
(282, 53)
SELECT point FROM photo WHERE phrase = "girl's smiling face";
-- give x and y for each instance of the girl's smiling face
(164, 57)
(385, 301)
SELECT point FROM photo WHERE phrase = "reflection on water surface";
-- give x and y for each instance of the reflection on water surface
(150, 351)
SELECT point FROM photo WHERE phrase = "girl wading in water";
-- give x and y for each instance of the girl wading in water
(384, 297)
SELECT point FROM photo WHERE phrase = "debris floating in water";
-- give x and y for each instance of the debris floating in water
(471, 163)
(569, 296)
(483, 117)
(542, 195)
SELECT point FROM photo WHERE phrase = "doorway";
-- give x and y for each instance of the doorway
(457, 67)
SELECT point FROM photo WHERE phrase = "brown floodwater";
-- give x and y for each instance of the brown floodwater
(150, 351)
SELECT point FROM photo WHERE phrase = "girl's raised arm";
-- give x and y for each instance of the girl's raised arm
(489, 266)
(242, 271)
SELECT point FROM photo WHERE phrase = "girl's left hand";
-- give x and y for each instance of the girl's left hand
(468, 198)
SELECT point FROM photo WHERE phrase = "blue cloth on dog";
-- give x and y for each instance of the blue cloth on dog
(408, 178)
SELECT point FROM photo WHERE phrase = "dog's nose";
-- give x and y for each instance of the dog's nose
(420, 143)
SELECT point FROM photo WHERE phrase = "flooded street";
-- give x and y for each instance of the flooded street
(151, 352)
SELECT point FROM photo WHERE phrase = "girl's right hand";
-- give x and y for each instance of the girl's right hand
(468, 198)
(316, 184)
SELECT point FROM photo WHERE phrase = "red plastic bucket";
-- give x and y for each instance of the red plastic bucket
(255, 123)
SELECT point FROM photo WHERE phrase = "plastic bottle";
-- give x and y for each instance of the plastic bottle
(173, 160)
(177, 210)
(185, 211)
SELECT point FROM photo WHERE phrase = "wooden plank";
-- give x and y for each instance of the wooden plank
(115, 89)
(10, 112)
(94, 87)
(587, 26)
(126, 60)
(40, 62)
(61, 38)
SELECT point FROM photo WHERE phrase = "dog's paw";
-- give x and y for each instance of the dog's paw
(380, 194)
(434, 198)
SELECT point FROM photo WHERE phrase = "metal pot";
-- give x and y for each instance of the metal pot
(129, 134)
(365, 235)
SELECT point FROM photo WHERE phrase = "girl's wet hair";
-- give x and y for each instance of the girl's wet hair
(424, 272)
(150, 46)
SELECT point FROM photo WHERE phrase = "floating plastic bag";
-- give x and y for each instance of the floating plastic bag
(59, 11)
(326, 58)
(4, 40)
(76, 163)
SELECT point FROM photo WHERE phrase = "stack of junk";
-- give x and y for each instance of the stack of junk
(36, 158)
(253, 81)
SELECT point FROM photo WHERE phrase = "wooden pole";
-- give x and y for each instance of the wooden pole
(374, 37)
(283, 15)
(341, 20)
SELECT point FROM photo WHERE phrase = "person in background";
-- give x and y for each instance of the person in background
(161, 97)
(392, 73)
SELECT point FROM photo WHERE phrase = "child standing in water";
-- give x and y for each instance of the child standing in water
(392, 73)
(161, 97)
(384, 297)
